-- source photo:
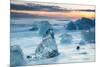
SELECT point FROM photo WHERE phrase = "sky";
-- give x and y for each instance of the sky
(65, 1)
(53, 10)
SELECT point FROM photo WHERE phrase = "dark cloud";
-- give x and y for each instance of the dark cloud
(23, 15)
(37, 7)
(88, 10)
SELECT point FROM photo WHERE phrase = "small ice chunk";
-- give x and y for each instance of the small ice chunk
(34, 28)
(66, 38)
(82, 42)
(16, 56)
(89, 35)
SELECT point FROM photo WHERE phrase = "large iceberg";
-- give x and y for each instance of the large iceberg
(47, 48)
(85, 23)
(16, 56)
(81, 24)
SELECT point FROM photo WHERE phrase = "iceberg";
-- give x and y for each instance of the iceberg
(16, 56)
(89, 35)
(44, 26)
(66, 38)
(82, 42)
(47, 48)
(81, 24)
(34, 28)
(71, 26)
(85, 23)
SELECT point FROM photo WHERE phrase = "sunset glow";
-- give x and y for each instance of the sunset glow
(72, 14)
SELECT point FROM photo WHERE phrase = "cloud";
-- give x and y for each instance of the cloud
(41, 7)
(37, 7)
(86, 10)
